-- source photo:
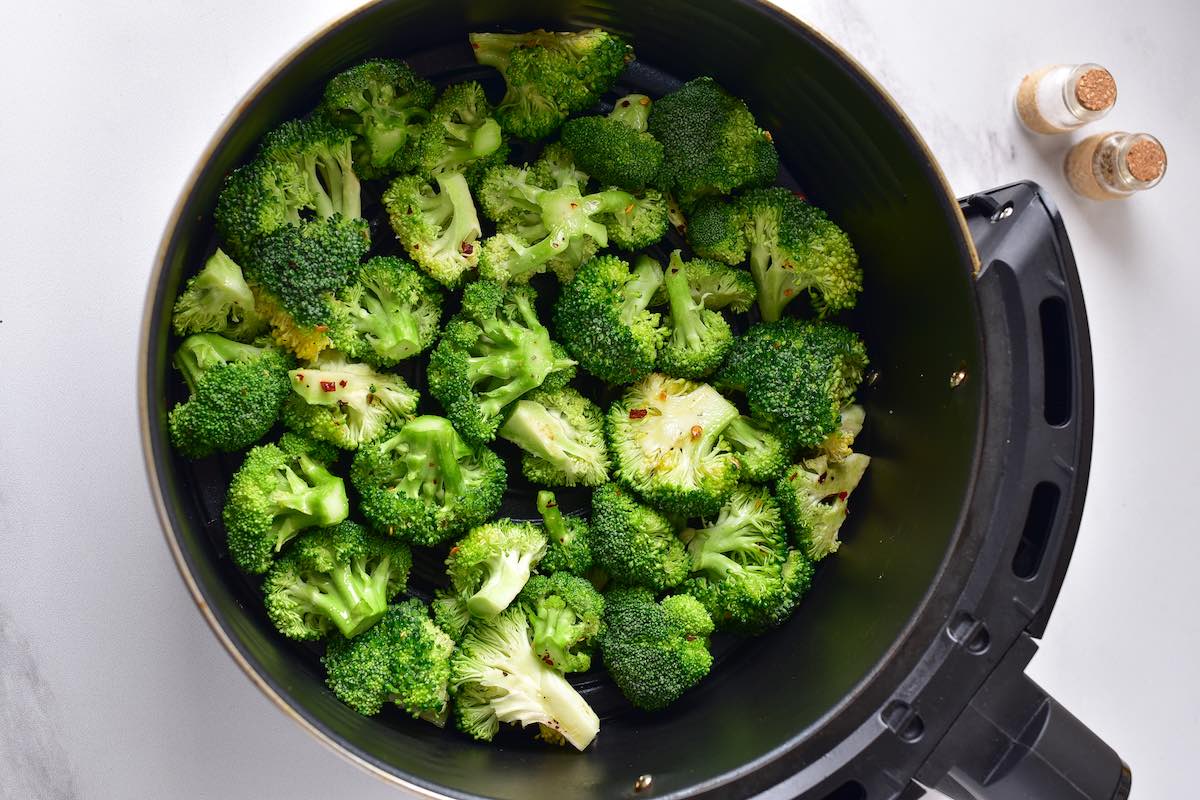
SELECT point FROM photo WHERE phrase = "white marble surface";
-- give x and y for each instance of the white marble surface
(111, 686)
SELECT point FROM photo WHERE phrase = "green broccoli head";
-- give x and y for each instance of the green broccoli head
(550, 75)
(495, 677)
(562, 434)
(346, 404)
(258, 198)
(795, 247)
(462, 135)
(492, 562)
(385, 105)
(392, 312)
(491, 353)
(655, 651)
(601, 318)
(403, 659)
(335, 578)
(236, 391)
(450, 613)
(217, 300)
(711, 143)
(716, 286)
(322, 153)
(616, 150)
(797, 376)
(762, 455)
(698, 337)
(565, 617)
(438, 227)
(814, 495)
(716, 229)
(635, 544)
(742, 569)
(569, 539)
(640, 222)
(279, 491)
(424, 484)
(665, 439)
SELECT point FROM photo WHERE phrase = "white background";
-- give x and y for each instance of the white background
(111, 686)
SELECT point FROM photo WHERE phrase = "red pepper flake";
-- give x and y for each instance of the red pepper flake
(342, 383)
(299, 376)
(638, 413)
(696, 431)
(552, 504)
(793, 476)
(821, 477)
(454, 550)
(624, 104)
(474, 45)
(574, 205)
(690, 638)
(645, 101)
(321, 328)
(767, 135)
(328, 386)
(629, 208)
(788, 292)
(467, 248)
(843, 495)
(549, 661)
(800, 194)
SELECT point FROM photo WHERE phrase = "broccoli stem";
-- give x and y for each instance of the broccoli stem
(632, 110)
(552, 518)
(554, 629)
(687, 327)
(640, 288)
(389, 332)
(535, 429)
(507, 575)
(575, 719)
(455, 206)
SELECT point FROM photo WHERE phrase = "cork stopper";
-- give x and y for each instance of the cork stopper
(1146, 160)
(1096, 89)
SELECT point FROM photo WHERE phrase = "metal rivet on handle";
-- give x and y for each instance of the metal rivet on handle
(643, 783)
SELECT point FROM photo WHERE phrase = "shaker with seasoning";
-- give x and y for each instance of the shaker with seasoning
(1109, 166)
(1062, 97)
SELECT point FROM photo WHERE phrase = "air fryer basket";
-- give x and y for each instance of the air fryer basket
(905, 661)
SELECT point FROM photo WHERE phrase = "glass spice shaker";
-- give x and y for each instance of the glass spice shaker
(1062, 97)
(1109, 166)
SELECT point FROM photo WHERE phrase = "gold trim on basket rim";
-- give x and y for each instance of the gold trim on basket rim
(147, 314)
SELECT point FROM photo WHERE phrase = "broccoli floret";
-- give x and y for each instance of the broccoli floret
(642, 222)
(665, 439)
(655, 651)
(424, 484)
(492, 562)
(495, 677)
(439, 228)
(217, 300)
(569, 539)
(601, 318)
(616, 150)
(562, 434)
(699, 338)
(256, 199)
(565, 616)
(797, 376)
(404, 659)
(462, 135)
(633, 543)
(346, 404)
(236, 391)
(492, 352)
(813, 497)
(279, 491)
(716, 229)
(450, 613)
(836, 445)
(322, 152)
(340, 577)
(742, 569)
(550, 75)
(795, 247)
(384, 104)
(762, 455)
(716, 286)
(392, 312)
(711, 143)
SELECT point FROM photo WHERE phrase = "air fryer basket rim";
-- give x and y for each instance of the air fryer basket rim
(152, 311)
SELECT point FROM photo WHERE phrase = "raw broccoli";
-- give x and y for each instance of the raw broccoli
(384, 104)
(236, 391)
(565, 616)
(424, 484)
(797, 376)
(495, 677)
(635, 544)
(836, 445)
(699, 338)
(711, 143)
(569, 539)
(461, 135)
(492, 562)
(562, 434)
(664, 436)
(340, 577)
(762, 455)
(279, 491)
(795, 247)
(346, 404)
(601, 318)
(742, 569)
(655, 651)
(550, 75)
(404, 659)
(492, 352)
(390, 313)
(813, 497)
(717, 286)
(439, 228)
(616, 150)
(217, 300)
(716, 229)
(450, 613)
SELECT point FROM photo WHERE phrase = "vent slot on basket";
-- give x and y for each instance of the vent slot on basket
(1056, 361)
(1043, 507)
